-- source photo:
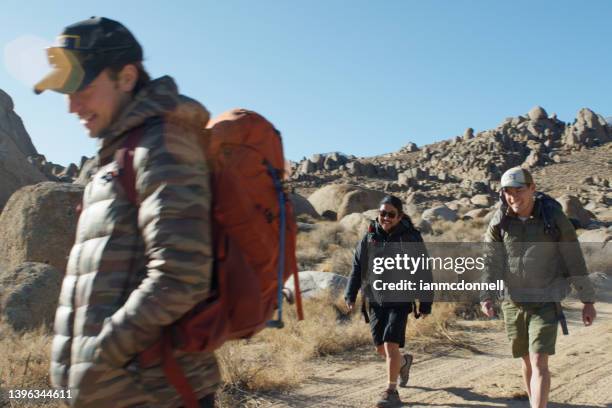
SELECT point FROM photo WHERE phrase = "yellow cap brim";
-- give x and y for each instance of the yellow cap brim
(67, 74)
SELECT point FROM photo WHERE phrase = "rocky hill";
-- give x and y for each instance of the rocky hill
(20, 162)
(566, 158)
(15, 147)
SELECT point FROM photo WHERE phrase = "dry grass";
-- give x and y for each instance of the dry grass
(435, 330)
(278, 359)
(325, 330)
(340, 261)
(458, 231)
(282, 359)
(273, 360)
(328, 248)
(24, 364)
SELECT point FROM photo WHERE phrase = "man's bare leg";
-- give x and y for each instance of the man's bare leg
(540, 380)
(394, 362)
(526, 363)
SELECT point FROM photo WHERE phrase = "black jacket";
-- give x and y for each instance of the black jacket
(403, 232)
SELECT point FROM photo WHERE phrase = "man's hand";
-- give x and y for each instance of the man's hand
(487, 308)
(588, 314)
(350, 305)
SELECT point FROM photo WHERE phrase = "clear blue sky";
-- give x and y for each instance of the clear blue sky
(361, 77)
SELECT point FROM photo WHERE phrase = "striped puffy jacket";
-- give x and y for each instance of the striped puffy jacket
(134, 270)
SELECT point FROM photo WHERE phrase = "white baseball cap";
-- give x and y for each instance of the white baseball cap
(516, 177)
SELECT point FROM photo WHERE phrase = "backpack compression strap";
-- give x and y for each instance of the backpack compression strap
(278, 323)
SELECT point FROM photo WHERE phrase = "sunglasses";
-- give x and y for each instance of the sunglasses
(389, 214)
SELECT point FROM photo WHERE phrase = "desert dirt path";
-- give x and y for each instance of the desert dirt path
(581, 372)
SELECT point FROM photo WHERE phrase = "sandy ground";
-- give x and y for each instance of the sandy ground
(581, 372)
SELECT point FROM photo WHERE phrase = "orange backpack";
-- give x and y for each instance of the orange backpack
(254, 238)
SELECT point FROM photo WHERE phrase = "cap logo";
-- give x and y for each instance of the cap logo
(71, 42)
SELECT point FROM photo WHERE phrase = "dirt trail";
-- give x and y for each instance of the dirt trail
(581, 369)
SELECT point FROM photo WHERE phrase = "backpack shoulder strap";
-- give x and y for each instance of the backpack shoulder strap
(548, 207)
(371, 231)
(125, 159)
(501, 220)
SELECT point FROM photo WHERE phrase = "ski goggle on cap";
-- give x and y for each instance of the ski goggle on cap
(85, 49)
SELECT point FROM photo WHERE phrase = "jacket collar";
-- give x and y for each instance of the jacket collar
(399, 229)
(160, 98)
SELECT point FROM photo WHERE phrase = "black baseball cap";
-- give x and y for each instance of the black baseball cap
(83, 50)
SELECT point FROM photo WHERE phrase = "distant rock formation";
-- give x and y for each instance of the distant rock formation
(338, 200)
(466, 165)
(20, 162)
(15, 147)
(587, 130)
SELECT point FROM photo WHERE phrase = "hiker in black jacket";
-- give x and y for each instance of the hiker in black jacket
(388, 320)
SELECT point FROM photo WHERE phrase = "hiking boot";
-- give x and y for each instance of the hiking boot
(388, 399)
(405, 370)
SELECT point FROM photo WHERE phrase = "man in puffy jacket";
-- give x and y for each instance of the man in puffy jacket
(138, 263)
(532, 247)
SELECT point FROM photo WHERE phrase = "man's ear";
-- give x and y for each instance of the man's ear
(127, 78)
(532, 187)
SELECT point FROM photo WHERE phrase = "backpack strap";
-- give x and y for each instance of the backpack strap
(503, 220)
(548, 206)
(415, 310)
(371, 232)
(125, 159)
(175, 375)
(164, 348)
(416, 235)
(276, 175)
(364, 310)
(503, 224)
(369, 239)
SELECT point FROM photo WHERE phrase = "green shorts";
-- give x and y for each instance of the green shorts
(531, 327)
